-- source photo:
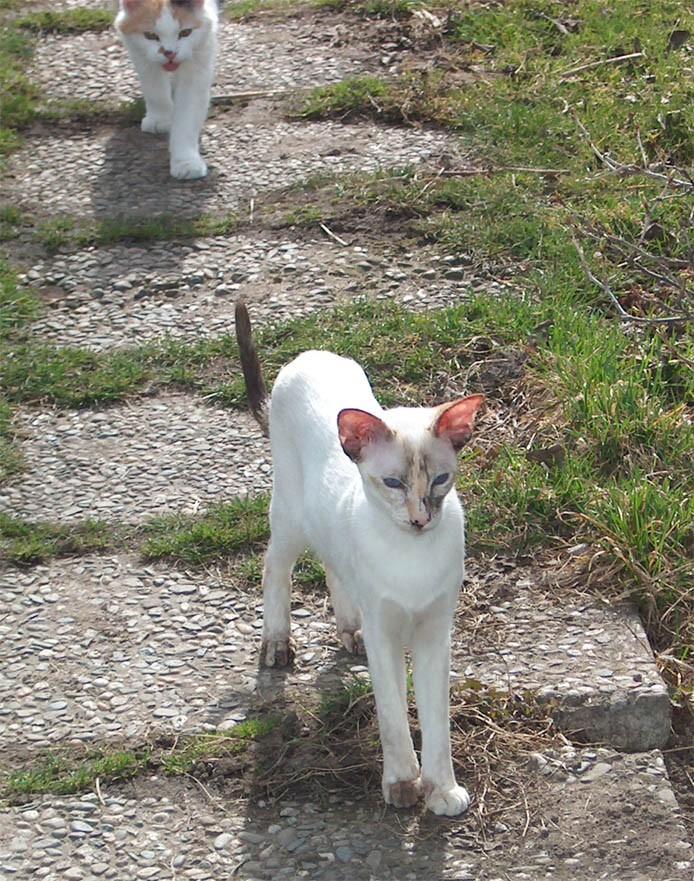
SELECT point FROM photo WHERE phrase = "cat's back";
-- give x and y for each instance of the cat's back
(323, 380)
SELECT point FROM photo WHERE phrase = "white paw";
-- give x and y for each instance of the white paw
(402, 793)
(188, 169)
(276, 653)
(155, 125)
(447, 802)
(353, 642)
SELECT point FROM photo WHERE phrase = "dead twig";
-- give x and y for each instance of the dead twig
(614, 60)
(233, 97)
(631, 170)
(501, 169)
(607, 290)
(333, 235)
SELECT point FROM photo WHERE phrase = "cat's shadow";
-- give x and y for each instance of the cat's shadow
(133, 180)
(284, 773)
(135, 201)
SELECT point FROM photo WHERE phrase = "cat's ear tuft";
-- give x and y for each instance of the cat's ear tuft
(455, 421)
(357, 429)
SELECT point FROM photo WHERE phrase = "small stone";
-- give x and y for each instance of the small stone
(374, 859)
(222, 841)
(344, 854)
(596, 772)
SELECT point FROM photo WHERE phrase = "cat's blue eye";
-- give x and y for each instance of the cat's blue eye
(186, 32)
(393, 482)
(442, 478)
(148, 35)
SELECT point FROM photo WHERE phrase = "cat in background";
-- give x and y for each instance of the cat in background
(372, 493)
(172, 45)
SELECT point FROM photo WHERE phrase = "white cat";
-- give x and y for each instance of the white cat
(371, 493)
(172, 45)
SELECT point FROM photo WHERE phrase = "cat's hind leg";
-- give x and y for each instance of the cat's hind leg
(347, 616)
(287, 542)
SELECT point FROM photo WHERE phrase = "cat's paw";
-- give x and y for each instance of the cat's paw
(155, 125)
(402, 793)
(191, 168)
(353, 641)
(276, 653)
(446, 802)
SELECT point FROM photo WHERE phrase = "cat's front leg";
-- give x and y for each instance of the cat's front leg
(386, 655)
(191, 100)
(431, 670)
(155, 83)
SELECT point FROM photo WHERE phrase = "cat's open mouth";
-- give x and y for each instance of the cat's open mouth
(171, 66)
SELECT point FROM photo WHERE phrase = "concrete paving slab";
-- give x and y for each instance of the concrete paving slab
(106, 646)
(262, 55)
(102, 298)
(122, 171)
(149, 456)
(585, 815)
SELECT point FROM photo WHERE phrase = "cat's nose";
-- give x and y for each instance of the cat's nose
(169, 53)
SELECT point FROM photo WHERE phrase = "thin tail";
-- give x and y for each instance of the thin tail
(250, 364)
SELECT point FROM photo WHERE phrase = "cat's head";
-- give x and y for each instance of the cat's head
(407, 459)
(166, 30)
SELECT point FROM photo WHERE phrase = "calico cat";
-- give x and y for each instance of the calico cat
(172, 45)
(372, 493)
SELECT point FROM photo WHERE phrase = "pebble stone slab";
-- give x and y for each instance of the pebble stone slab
(593, 814)
(110, 172)
(594, 662)
(252, 57)
(103, 298)
(105, 646)
(151, 456)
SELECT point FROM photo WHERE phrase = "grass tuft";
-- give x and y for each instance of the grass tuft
(23, 543)
(66, 21)
(222, 532)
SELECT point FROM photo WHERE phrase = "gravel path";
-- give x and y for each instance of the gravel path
(157, 649)
(248, 155)
(161, 455)
(163, 829)
(101, 298)
(106, 649)
(258, 56)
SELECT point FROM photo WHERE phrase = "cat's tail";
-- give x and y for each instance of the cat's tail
(250, 364)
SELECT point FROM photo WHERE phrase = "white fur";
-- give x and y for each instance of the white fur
(396, 584)
(176, 102)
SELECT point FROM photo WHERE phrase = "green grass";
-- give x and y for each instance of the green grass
(67, 21)
(67, 376)
(62, 773)
(63, 232)
(25, 543)
(18, 96)
(215, 745)
(83, 110)
(308, 574)
(222, 532)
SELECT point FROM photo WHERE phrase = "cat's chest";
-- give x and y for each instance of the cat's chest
(409, 572)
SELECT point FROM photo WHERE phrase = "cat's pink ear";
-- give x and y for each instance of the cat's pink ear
(357, 429)
(455, 421)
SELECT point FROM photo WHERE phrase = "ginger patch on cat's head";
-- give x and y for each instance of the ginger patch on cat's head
(142, 15)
